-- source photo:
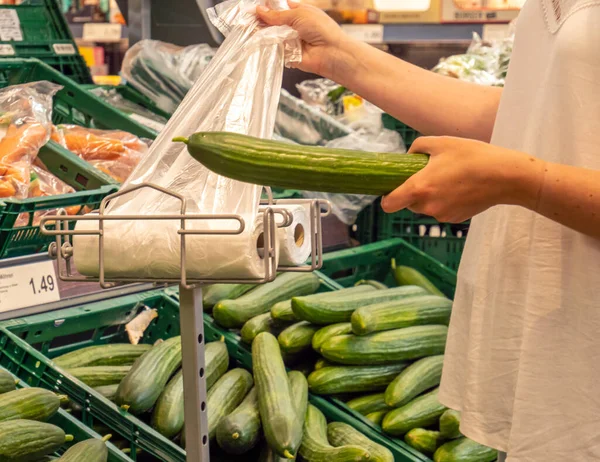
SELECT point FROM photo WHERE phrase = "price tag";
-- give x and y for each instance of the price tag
(370, 33)
(101, 32)
(6, 50)
(28, 285)
(63, 49)
(10, 26)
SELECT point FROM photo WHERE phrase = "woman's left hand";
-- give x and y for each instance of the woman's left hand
(466, 177)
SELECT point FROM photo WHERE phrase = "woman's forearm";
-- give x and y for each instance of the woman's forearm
(430, 103)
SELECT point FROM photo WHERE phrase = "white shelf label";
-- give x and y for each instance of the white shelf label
(370, 33)
(28, 285)
(6, 50)
(101, 32)
(10, 26)
(63, 49)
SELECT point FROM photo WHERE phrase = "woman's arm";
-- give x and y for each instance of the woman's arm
(465, 177)
(430, 103)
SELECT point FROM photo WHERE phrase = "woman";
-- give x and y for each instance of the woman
(523, 352)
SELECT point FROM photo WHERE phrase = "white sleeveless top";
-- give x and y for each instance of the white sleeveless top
(523, 354)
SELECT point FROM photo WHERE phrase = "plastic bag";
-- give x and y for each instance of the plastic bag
(237, 92)
(25, 125)
(114, 152)
(165, 72)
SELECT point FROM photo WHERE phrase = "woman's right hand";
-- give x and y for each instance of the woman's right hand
(323, 41)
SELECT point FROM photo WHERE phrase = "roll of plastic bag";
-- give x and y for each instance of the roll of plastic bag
(237, 92)
(294, 240)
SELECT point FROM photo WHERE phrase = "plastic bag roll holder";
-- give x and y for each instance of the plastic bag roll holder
(190, 290)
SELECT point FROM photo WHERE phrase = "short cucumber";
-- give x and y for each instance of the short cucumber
(325, 333)
(7, 381)
(97, 376)
(315, 446)
(112, 354)
(234, 313)
(261, 323)
(464, 450)
(420, 376)
(395, 314)
(376, 417)
(282, 311)
(386, 347)
(371, 282)
(370, 403)
(214, 293)
(341, 434)
(225, 395)
(450, 424)
(92, 450)
(27, 440)
(148, 377)
(419, 413)
(281, 425)
(108, 391)
(28, 403)
(352, 379)
(239, 431)
(424, 441)
(168, 416)
(340, 309)
(406, 275)
(297, 338)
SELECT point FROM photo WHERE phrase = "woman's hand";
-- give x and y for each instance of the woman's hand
(323, 41)
(466, 177)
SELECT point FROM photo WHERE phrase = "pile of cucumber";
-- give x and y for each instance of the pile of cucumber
(25, 434)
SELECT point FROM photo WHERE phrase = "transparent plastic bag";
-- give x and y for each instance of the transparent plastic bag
(237, 92)
(25, 126)
(114, 152)
(165, 72)
(347, 206)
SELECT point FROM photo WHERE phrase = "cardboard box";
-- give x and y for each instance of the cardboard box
(455, 11)
(419, 12)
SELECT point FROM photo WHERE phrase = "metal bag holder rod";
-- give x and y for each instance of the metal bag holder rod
(190, 289)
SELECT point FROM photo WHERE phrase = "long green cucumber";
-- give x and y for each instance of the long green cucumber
(297, 338)
(146, 380)
(396, 314)
(419, 413)
(340, 309)
(282, 311)
(112, 354)
(97, 376)
(370, 403)
(234, 313)
(299, 391)
(424, 441)
(341, 434)
(308, 168)
(7, 381)
(225, 395)
(28, 440)
(414, 380)
(315, 446)
(168, 415)
(108, 391)
(352, 379)
(406, 276)
(325, 333)
(282, 428)
(239, 431)
(28, 403)
(214, 293)
(376, 417)
(464, 450)
(92, 450)
(386, 347)
(450, 424)
(261, 323)
(371, 282)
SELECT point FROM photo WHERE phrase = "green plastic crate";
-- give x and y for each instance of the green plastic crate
(46, 36)
(408, 134)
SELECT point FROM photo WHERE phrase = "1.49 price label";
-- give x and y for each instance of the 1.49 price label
(28, 285)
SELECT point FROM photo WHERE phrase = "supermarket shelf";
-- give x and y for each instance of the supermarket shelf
(410, 33)
(77, 31)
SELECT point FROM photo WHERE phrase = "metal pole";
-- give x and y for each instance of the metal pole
(194, 376)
